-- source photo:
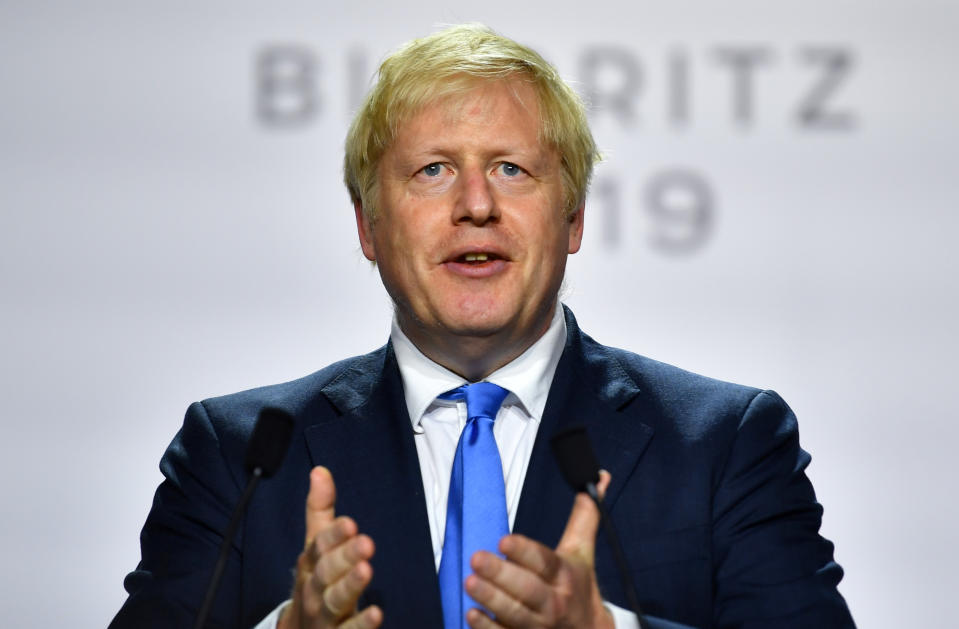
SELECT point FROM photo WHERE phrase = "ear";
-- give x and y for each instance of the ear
(364, 229)
(576, 228)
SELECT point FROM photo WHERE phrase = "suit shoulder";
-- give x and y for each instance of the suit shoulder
(302, 398)
(654, 376)
(653, 380)
(688, 402)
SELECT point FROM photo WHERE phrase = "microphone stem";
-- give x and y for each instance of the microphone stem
(618, 557)
(225, 545)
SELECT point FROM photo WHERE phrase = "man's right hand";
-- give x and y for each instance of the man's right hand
(333, 569)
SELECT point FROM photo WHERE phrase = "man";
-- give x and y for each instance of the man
(468, 167)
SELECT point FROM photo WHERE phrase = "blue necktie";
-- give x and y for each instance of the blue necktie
(476, 516)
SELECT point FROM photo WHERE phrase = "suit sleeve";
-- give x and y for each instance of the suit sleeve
(771, 566)
(181, 538)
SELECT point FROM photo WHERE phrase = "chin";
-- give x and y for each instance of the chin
(482, 310)
(474, 327)
(477, 322)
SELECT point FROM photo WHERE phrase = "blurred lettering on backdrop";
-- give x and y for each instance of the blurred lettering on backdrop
(679, 203)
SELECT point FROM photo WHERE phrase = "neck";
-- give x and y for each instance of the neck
(469, 356)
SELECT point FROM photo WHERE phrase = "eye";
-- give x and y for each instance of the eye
(433, 170)
(510, 169)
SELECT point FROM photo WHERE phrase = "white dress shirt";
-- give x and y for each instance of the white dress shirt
(437, 425)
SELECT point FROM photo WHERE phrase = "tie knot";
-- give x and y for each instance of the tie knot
(483, 399)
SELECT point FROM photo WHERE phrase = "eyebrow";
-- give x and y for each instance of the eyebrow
(538, 156)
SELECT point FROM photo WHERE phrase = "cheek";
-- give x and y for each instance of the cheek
(557, 238)
(397, 256)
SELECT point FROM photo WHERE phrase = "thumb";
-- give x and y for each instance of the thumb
(579, 538)
(319, 502)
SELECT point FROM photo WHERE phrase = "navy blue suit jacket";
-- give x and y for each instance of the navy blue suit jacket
(709, 496)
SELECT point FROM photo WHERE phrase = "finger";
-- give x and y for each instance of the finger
(369, 618)
(605, 478)
(503, 586)
(503, 605)
(341, 559)
(579, 537)
(476, 619)
(531, 555)
(332, 535)
(339, 598)
(319, 502)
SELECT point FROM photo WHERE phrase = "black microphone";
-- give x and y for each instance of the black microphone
(578, 464)
(264, 453)
(269, 442)
(576, 458)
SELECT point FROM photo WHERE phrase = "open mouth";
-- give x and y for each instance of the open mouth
(476, 258)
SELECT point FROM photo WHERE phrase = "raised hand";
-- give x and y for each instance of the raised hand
(333, 569)
(536, 586)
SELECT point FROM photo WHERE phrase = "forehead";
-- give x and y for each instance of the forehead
(489, 97)
(485, 108)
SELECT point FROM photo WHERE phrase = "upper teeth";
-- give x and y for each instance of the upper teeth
(476, 257)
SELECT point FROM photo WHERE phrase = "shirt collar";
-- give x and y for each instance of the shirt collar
(527, 377)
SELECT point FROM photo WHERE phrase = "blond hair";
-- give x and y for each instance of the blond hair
(450, 62)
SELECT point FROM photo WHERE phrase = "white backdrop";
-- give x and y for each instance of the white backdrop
(778, 208)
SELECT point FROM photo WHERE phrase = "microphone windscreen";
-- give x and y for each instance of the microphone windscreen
(269, 441)
(575, 457)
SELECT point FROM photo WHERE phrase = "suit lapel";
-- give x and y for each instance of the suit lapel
(370, 451)
(588, 389)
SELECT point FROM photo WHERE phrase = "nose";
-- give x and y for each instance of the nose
(475, 202)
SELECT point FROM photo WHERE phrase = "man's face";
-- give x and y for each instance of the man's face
(470, 235)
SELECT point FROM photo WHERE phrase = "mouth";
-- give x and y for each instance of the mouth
(476, 258)
(476, 264)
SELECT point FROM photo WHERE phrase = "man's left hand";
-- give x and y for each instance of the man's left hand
(536, 586)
